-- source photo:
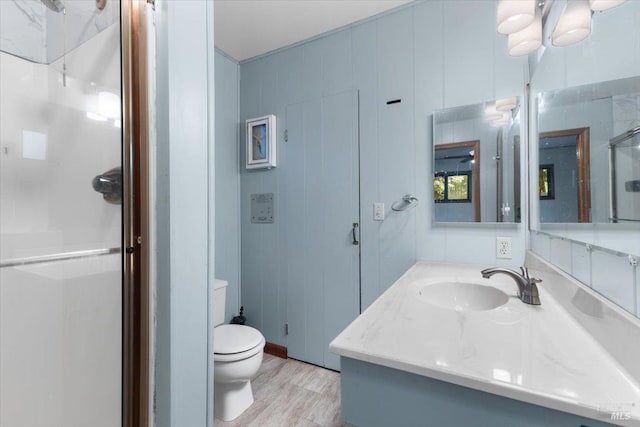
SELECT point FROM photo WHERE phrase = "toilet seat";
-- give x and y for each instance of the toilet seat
(236, 342)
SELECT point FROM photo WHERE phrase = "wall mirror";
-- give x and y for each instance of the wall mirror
(589, 153)
(476, 162)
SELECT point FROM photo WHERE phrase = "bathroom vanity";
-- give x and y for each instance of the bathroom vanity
(471, 358)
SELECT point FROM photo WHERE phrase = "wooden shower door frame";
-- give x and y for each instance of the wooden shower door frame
(135, 212)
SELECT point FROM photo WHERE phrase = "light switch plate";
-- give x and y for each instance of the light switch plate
(503, 247)
(378, 211)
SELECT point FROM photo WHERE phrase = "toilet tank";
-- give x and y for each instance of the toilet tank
(219, 299)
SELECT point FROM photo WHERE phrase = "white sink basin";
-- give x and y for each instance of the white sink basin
(461, 296)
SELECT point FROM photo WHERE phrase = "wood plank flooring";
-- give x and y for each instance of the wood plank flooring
(292, 393)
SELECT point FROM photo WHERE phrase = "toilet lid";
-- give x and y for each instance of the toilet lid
(228, 339)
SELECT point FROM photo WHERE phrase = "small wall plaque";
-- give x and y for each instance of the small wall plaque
(261, 142)
(262, 208)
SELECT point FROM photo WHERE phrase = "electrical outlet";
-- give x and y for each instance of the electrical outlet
(378, 211)
(503, 247)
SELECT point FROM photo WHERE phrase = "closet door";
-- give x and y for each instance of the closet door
(323, 278)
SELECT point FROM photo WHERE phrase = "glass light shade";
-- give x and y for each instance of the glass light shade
(574, 24)
(528, 39)
(605, 4)
(514, 15)
(490, 111)
(506, 104)
(502, 121)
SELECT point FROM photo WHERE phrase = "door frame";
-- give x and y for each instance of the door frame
(135, 214)
(583, 164)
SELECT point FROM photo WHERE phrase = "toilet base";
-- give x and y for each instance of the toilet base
(230, 400)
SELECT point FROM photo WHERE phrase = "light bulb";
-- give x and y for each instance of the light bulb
(528, 39)
(502, 121)
(574, 24)
(490, 111)
(506, 104)
(514, 15)
(605, 4)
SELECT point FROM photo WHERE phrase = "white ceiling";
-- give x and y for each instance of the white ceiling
(247, 28)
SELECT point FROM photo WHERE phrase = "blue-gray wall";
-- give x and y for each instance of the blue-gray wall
(184, 258)
(422, 55)
(227, 187)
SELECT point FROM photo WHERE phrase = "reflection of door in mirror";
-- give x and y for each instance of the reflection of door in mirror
(456, 182)
(564, 176)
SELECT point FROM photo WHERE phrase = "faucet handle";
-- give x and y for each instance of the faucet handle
(525, 274)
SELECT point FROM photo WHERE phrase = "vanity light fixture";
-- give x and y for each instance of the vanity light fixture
(515, 15)
(490, 111)
(506, 104)
(574, 24)
(498, 112)
(528, 39)
(502, 121)
(600, 5)
(556, 22)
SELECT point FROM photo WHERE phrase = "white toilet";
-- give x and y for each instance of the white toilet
(237, 358)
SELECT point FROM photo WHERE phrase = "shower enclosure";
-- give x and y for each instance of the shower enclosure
(624, 166)
(61, 214)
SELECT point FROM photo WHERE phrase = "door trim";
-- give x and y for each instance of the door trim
(583, 163)
(135, 213)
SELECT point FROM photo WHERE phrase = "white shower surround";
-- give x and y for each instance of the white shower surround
(60, 322)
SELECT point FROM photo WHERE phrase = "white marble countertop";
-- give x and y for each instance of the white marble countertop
(536, 354)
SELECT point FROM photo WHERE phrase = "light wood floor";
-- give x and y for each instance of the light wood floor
(292, 393)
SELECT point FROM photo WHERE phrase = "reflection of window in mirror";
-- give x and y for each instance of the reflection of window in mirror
(545, 182)
(452, 187)
(456, 182)
(438, 188)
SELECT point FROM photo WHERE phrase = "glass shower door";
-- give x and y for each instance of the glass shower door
(60, 214)
(624, 156)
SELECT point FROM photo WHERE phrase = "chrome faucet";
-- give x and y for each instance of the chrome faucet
(527, 289)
